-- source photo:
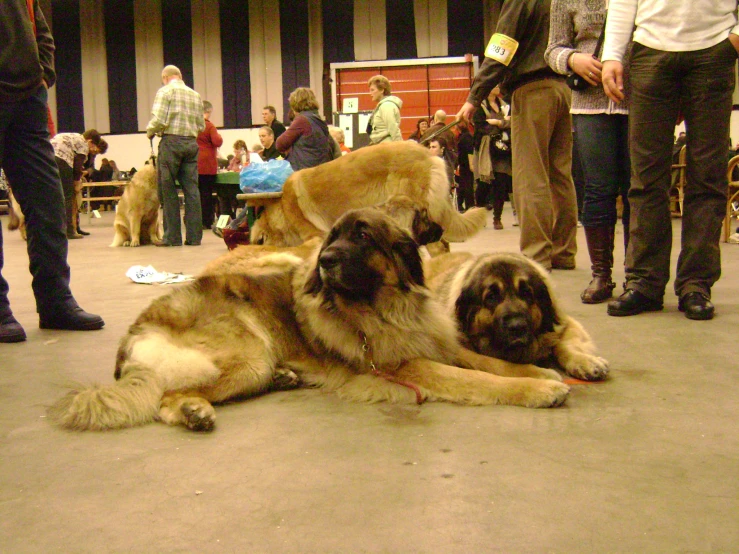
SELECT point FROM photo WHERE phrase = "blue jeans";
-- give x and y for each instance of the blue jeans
(178, 160)
(27, 157)
(602, 142)
(700, 85)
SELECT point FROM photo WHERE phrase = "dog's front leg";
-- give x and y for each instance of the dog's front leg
(574, 352)
(472, 360)
(438, 381)
(135, 221)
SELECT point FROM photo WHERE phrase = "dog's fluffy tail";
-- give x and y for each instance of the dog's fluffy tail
(463, 226)
(133, 400)
(457, 227)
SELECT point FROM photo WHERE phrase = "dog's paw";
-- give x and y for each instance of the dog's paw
(547, 394)
(134, 243)
(284, 379)
(199, 414)
(587, 367)
(126, 243)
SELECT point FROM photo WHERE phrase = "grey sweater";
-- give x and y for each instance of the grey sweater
(575, 26)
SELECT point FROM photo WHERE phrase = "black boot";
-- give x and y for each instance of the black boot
(600, 247)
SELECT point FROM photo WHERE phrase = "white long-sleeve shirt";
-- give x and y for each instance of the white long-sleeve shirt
(668, 25)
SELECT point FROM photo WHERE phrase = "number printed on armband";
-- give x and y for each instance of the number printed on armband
(501, 48)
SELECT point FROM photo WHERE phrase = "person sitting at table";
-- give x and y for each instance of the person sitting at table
(267, 138)
(227, 203)
(239, 156)
(307, 142)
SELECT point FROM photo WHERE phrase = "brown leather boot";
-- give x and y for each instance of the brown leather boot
(600, 247)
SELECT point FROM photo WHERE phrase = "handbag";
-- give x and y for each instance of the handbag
(578, 82)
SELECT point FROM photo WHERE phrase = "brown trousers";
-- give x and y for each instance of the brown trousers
(544, 194)
(699, 84)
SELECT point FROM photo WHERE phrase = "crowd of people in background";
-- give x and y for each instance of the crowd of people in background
(513, 141)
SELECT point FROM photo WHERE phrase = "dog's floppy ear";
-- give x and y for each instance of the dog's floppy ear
(314, 283)
(425, 231)
(543, 297)
(408, 263)
(467, 305)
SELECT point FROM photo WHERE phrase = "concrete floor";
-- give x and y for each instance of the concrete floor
(647, 461)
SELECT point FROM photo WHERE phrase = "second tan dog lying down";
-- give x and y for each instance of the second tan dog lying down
(313, 199)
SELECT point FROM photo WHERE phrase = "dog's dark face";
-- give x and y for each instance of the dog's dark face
(365, 252)
(504, 306)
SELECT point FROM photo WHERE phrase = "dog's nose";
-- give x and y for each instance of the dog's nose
(516, 326)
(329, 258)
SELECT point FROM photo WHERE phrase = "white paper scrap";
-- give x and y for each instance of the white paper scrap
(150, 276)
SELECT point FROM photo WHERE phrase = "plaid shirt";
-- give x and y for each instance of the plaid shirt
(178, 110)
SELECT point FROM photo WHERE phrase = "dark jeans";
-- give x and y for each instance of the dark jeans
(178, 160)
(700, 84)
(207, 183)
(27, 157)
(602, 143)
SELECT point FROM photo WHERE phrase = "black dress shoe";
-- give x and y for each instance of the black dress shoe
(696, 305)
(165, 244)
(633, 302)
(188, 243)
(11, 330)
(71, 320)
(83, 233)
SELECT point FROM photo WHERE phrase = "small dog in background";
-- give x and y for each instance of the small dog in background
(17, 220)
(137, 214)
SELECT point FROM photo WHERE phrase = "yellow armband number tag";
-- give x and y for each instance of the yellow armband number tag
(501, 48)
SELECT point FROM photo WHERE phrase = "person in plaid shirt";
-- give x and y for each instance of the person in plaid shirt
(177, 116)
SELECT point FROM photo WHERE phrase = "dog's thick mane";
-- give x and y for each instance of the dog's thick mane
(411, 312)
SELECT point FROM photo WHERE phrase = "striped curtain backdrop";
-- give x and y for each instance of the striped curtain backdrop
(239, 54)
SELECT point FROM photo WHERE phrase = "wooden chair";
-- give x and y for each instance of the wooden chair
(732, 199)
(679, 185)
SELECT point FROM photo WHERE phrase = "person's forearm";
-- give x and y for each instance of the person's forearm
(619, 28)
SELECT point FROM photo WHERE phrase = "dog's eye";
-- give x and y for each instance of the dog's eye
(525, 291)
(363, 236)
(260, 240)
(493, 295)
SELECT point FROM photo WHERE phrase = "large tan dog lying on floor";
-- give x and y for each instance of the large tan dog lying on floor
(137, 214)
(505, 307)
(313, 199)
(355, 318)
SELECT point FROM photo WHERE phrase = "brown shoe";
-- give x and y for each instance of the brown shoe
(497, 224)
(74, 235)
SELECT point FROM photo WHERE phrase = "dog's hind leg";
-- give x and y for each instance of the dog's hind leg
(575, 353)
(189, 409)
(119, 239)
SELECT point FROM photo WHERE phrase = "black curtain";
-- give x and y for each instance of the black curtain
(294, 48)
(400, 27)
(465, 27)
(338, 31)
(68, 57)
(235, 63)
(177, 37)
(120, 44)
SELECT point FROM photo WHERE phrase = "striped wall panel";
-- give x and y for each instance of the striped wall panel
(239, 54)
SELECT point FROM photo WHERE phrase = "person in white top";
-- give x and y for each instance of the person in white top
(682, 65)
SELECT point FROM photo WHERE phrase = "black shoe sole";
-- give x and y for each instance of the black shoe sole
(620, 313)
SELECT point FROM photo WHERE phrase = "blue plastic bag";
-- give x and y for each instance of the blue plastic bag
(265, 177)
